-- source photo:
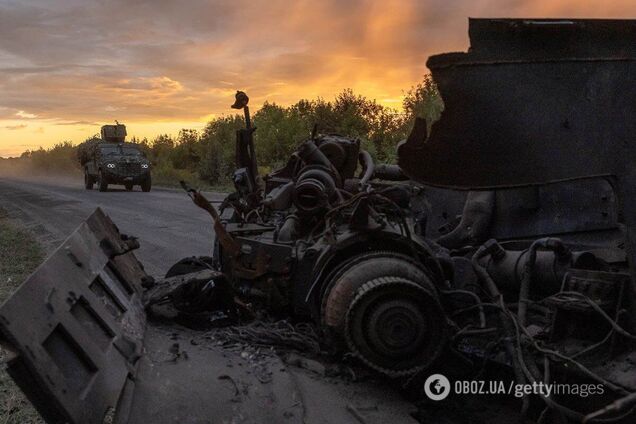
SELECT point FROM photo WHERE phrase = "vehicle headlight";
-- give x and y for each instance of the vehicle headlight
(110, 165)
(144, 165)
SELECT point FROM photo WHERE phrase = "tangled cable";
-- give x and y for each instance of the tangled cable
(518, 341)
(279, 335)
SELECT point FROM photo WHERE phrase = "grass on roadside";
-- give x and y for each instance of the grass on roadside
(170, 177)
(20, 254)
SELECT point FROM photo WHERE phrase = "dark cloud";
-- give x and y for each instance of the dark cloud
(75, 123)
(79, 62)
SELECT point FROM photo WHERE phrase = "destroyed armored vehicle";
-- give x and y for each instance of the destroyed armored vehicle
(500, 246)
(111, 160)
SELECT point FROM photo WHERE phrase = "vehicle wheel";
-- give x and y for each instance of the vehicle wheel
(102, 182)
(190, 265)
(129, 186)
(146, 184)
(88, 181)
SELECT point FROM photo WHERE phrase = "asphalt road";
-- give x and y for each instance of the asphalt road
(169, 226)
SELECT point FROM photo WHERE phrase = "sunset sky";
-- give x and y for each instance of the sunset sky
(68, 66)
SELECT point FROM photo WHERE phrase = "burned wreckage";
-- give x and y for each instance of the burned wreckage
(505, 235)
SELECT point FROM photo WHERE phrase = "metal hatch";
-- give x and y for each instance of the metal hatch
(76, 326)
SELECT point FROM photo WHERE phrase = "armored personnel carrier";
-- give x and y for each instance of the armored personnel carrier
(111, 160)
(500, 246)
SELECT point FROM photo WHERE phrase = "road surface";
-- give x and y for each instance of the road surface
(169, 226)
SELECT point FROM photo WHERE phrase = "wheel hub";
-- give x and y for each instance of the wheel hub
(396, 327)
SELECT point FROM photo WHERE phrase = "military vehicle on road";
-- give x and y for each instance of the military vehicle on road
(111, 160)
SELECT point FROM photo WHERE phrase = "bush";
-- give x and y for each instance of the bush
(61, 158)
(217, 149)
(209, 157)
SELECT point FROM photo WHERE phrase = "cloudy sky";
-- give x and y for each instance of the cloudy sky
(67, 66)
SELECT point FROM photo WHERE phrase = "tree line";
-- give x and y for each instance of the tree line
(208, 155)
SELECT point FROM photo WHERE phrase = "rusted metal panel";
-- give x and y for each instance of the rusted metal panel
(76, 325)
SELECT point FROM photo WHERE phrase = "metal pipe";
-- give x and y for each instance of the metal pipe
(553, 244)
(484, 250)
(389, 172)
(369, 167)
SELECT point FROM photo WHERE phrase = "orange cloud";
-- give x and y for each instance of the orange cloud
(159, 66)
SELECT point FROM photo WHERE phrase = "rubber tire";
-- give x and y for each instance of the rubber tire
(189, 265)
(88, 180)
(129, 186)
(102, 182)
(146, 184)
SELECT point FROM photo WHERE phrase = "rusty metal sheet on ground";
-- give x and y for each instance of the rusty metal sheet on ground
(76, 326)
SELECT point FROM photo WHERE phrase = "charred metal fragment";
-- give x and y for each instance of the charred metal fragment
(524, 106)
(475, 221)
(389, 173)
(80, 346)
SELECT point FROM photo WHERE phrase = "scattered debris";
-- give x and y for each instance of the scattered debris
(177, 352)
(279, 335)
(306, 363)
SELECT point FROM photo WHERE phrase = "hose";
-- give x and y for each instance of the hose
(553, 244)
(369, 167)
(492, 289)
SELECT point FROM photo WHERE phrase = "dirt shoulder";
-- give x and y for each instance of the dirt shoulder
(20, 254)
